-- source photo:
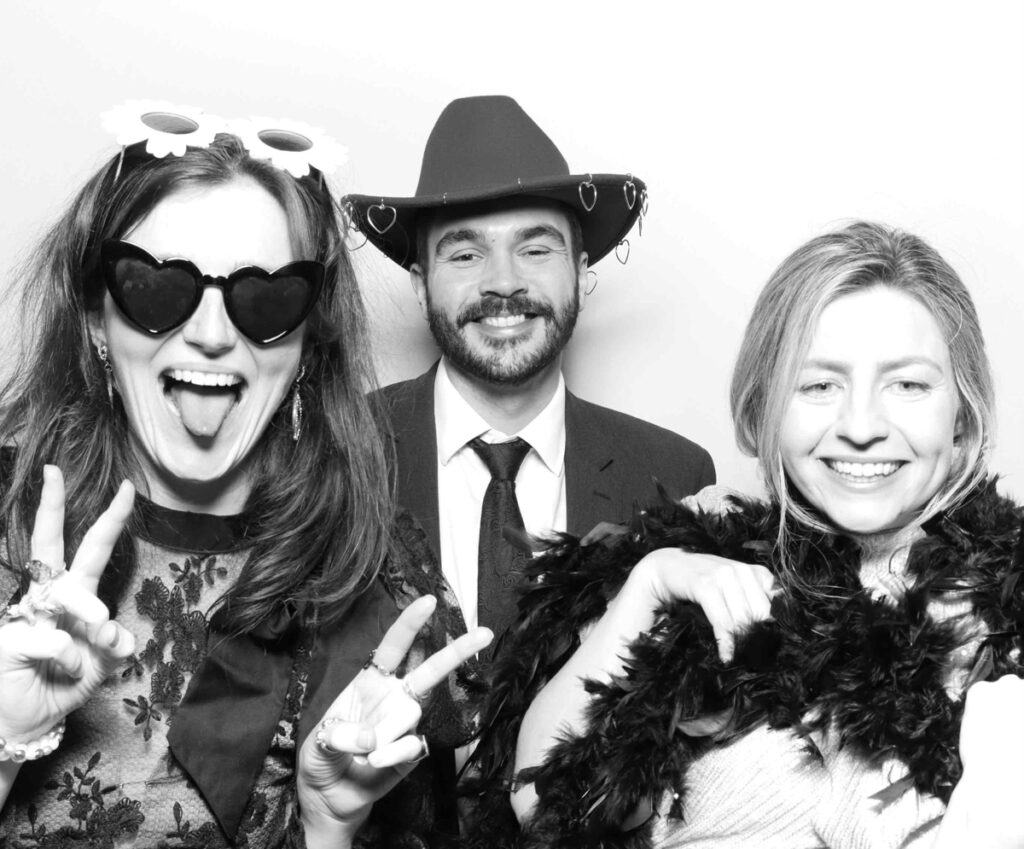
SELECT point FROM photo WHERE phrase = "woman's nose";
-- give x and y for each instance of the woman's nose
(209, 327)
(862, 419)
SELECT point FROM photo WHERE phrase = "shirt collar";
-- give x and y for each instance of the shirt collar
(457, 423)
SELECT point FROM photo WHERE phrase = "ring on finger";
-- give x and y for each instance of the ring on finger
(424, 750)
(411, 693)
(321, 734)
(38, 599)
(387, 673)
(43, 573)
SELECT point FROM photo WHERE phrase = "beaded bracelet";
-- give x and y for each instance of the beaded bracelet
(33, 749)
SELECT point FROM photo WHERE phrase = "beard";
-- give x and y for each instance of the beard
(505, 362)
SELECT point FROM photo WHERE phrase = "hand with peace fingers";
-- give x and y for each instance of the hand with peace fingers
(58, 645)
(367, 741)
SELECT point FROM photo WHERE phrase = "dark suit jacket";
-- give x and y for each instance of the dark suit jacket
(611, 459)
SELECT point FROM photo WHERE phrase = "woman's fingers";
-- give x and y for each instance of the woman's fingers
(48, 529)
(81, 606)
(404, 715)
(732, 595)
(52, 644)
(112, 644)
(98, 543)
(441, 664)
(400, 636)
(403, 754)
(336, 737)
(723, 622)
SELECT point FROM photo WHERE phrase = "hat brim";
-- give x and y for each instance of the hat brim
(607, 206)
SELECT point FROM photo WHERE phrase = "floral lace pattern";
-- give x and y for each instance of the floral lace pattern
(113, 783)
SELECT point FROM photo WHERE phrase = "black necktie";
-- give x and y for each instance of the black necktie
(500, 564)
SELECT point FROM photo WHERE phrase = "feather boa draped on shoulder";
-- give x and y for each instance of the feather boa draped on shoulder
(833, 656)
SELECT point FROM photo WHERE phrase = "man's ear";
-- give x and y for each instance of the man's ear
(581, 278)
(97, 333)
(418, 278)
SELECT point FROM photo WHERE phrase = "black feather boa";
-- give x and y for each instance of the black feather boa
(832, 656)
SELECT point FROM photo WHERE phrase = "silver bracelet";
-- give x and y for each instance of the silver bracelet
(33, 749)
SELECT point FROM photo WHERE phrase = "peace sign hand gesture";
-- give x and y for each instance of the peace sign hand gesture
(367, 743)
(58, 644)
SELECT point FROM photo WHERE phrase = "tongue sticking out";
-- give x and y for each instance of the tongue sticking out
(203, 410)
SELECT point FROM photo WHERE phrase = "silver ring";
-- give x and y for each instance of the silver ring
(387, 673)
(38, 599)
(425, 753)
(42, 573)
(321, 738)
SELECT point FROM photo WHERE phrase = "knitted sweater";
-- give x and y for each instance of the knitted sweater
(766, 790)
(870, 659)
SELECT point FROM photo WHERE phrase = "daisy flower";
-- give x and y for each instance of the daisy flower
(167, 128)
(292, 146)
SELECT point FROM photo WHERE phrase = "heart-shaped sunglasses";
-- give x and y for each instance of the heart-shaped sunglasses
(159, 295)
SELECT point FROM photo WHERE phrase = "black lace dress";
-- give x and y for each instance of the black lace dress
(192, 742)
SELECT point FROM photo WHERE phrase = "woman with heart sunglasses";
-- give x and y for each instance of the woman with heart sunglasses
(216, 629)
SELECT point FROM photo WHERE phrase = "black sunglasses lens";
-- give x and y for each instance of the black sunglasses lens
(156, 299)
(267, 308)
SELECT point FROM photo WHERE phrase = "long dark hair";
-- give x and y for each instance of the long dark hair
(320, 508)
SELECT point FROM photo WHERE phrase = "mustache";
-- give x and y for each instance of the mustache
(491, 306)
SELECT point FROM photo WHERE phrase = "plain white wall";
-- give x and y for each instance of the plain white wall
(756, 126)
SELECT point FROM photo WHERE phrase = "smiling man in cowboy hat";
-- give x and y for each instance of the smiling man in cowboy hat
(498, 240)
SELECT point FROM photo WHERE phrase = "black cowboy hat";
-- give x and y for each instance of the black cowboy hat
(488, 148)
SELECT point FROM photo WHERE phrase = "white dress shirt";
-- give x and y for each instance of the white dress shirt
(462, 479)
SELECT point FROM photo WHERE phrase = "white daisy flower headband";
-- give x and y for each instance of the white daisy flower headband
(168, 129)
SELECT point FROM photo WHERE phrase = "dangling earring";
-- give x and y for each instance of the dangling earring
(297, 405)
(108, 372)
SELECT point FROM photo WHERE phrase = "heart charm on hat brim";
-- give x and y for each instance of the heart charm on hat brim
(384, 212)
(588, 189)
(629, 193)
(622, 251)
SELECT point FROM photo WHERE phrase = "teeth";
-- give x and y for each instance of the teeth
(863, 470)
(204, 378)
(503, 320)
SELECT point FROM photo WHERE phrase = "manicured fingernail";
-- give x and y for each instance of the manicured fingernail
(114, 640)
(360, 759)
(365, 739)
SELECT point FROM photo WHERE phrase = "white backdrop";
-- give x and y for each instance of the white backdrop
(756, 126)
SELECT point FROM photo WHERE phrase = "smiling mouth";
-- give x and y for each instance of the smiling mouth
(202, 400)
(506, 320)
(864, 472)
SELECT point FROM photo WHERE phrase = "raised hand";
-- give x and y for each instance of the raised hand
(59, 644)
(731, 594)
(366, 743)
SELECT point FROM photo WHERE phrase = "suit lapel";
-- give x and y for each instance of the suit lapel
(412, 417)
(589, 469)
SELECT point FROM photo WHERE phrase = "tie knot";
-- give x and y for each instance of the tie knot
(502, 459)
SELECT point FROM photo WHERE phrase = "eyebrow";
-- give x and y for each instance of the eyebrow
(539, 231)
(888, 365)
(453, 237)
(465, 234)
